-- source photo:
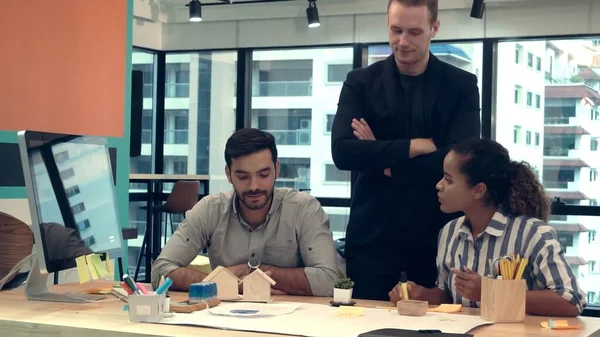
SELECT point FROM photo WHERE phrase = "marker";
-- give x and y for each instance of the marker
(131, 284)
(164, 287)
(142, 289)
(126, 288)
(403, 280)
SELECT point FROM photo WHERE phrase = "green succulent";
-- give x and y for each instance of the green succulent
(344, 283)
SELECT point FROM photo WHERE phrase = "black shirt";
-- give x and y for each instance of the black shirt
(412, 89)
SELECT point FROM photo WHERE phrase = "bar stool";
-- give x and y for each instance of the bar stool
(182, 198)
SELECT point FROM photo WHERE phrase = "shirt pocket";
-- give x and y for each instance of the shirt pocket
(286, 256)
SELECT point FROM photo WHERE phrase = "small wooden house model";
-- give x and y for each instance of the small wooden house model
(227, 283)
(257, 286)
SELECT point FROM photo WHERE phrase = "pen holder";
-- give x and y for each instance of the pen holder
(146, 308)
(503, 301)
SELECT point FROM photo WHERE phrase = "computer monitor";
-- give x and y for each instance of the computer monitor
(72, 204)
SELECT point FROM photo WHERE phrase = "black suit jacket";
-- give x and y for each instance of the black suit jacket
(405, 207)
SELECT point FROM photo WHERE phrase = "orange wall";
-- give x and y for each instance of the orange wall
(62, 66)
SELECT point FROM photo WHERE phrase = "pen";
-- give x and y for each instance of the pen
(403, 280)
(126, 288)
(164, 287)
(460, 263)
(131, 284)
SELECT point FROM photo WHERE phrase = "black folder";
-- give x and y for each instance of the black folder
(410, 333)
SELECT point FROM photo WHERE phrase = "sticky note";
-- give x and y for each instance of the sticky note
(91, 267)
(447, 308)
(109, 265)
(558, 325)
(346, 311)
(100, 268)
(82, 269)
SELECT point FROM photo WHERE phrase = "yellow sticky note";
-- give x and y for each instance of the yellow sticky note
(558, 325)
(91, 267)
(346, 311)
(109, 265)
(99, 265)
(447, 308)
(82, 269)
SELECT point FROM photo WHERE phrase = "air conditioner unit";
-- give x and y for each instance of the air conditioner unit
(279, 138)
(303, 137)
(305, 124)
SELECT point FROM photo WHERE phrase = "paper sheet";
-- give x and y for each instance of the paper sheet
(447, 308)
(99, 265)
(82, 269)
(90, 266)
(109, 265)
(325, 323)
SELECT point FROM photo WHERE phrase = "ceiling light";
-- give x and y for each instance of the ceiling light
(312, 14)
(195, 10)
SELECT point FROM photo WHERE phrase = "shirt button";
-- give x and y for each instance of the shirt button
(252, 255)
(250, 230)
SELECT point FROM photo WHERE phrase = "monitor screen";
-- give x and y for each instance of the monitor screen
(70, 187)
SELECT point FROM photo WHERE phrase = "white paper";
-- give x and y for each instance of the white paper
(316, 320)
(254, 309)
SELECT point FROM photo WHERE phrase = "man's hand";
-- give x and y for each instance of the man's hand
(415, 292)
(240, 271)
(421, 146)
(362, 130)
(468, 284)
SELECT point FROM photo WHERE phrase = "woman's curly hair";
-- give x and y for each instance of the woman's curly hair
(511, 185)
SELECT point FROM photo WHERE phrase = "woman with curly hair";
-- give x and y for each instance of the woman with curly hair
(506, 213)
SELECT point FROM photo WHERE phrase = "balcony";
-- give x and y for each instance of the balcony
(282, 88)
(294, 183)
(171, 137)
(291, 137)
(565, 125)
(177, 90)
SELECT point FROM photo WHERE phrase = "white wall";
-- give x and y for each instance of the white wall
(355, 21)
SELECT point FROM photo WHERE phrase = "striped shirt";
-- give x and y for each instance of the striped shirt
(506, 234)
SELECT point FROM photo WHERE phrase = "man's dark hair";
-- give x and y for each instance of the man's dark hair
(432, 6)
(248, 141)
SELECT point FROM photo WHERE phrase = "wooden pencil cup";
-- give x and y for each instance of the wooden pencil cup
(503, 301)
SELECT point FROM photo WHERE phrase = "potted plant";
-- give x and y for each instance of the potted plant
(342, 290)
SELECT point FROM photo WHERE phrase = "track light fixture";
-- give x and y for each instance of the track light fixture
(195, 10)
(477, 9)
(312, 14)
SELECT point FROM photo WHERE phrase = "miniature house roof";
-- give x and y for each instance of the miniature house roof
(260, 273)
(217, 271)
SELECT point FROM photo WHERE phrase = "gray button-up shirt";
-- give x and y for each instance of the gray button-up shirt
(295, 234)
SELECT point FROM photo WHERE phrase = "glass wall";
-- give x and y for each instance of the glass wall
(294, 97)
(199, 113)
(547, 114)
(144, 61)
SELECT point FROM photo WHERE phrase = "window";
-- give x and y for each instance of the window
(517, 134)
(332, 174)
(518, 53)
(294, 173)
(78, 208)
(198, 85)
(145, 62)
(329, 122)
(529, 98)
(82, 225)
(283, 77)
(528, 137)
(67, 174)
(61, 157)
(293, 98)
(593, 174)
(563, 134)
(517, 98)
(71, 191)
(89, 241)
(288, 126)
(336, 73)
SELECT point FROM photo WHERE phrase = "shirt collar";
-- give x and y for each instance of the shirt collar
(495, 227)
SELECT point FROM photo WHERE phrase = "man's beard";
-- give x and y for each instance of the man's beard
(242, 197)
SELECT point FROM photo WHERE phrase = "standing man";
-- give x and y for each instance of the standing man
(394, 123)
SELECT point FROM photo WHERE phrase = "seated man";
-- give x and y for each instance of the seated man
(283, 232)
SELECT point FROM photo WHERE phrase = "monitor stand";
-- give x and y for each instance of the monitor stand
(36, 289)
